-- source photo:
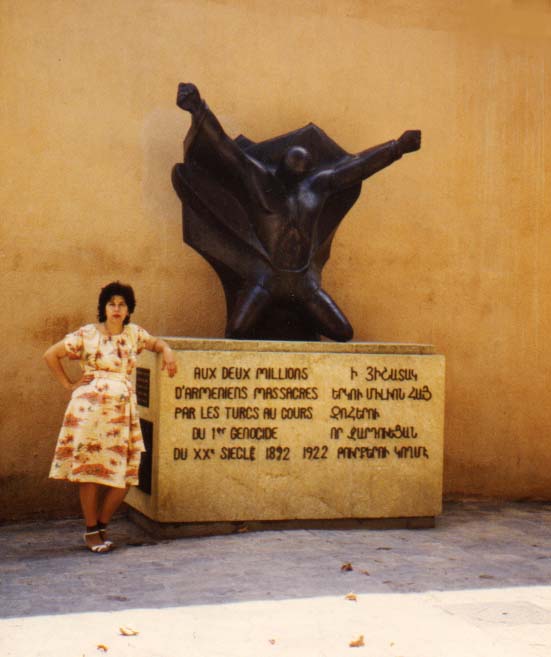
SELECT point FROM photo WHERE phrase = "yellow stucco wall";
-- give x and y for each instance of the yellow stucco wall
(449, 246)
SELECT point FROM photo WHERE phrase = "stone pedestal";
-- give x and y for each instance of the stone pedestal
(290, 431)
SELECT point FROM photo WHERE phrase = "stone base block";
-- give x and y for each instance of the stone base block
(249, 433)
(168, 530)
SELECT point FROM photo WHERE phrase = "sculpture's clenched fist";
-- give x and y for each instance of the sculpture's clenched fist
(410, 141)
(188, 97)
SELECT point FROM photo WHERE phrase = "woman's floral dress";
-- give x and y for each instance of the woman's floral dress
(101, 440)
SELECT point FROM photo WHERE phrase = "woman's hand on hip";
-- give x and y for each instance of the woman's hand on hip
(84, 379)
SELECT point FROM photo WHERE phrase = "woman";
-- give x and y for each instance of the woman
(100, 440)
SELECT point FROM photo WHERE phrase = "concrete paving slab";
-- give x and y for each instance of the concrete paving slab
(477, 584)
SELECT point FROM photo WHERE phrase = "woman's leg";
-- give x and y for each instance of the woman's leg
(88, 493)
(114, 497)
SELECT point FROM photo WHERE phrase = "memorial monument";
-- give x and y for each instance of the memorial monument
(264, 216)
(272, 424)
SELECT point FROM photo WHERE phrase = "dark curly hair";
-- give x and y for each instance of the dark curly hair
(116, 289)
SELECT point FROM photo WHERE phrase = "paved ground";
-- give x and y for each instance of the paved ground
(479, 584)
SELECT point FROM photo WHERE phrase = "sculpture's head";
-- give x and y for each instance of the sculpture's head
(297, 160)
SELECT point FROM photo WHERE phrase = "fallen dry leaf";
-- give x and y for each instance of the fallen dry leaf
(346, 567)
(102, 647)
(358, 643)
(351, 596)
(127, 631)
(364, 572)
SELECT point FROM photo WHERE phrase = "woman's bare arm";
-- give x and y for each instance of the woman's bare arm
(159, 346)
(53, 356)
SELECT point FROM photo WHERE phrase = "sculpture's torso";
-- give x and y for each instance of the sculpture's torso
(287, 230)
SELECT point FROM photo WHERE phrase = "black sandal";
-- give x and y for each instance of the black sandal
(101, 548)
(103, 533)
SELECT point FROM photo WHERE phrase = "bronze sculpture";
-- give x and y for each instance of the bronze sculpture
(264, 216)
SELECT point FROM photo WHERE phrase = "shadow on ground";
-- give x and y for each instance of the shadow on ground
(45, 570)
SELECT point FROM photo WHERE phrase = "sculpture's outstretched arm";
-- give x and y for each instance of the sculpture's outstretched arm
(358, 167)
(227, 150)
